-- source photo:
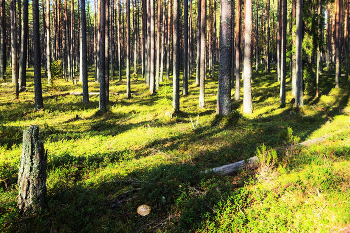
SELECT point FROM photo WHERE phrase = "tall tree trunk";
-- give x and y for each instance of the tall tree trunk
(23, 47)
(319, 10)
(135, 38)
(72, 41)
(48, 61)
(14, 46)
(152, 49)
(224, 95)
(337, 42)
(118, 43)
(163, 45)
(198, 42)
(238, 48)
(257, 39)
(279, 11)
(169, 38)
(247, 70)
(283, 53)
(185, 75)
(298, 53)
(329, 37)
(83, 53)
(293, 44)
(2, 40)
(37, 58)
(202, 58)
(159, 18)
(267, 45)
(128, 92)
(102, 101)
(176, 64)
(107, 50)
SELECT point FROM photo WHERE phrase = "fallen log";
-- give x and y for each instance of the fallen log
(253, 162)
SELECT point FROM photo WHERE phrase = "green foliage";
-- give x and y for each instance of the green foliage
(56, 69)
(287, 136)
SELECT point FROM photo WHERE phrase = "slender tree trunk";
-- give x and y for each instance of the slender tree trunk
(152, 49)
(2, 40)
(267, 46)
(185, 76)
(238, 48)
(247, 70)
(163, 45)
(107, 49)
(224, 94)
(48, 61)
(283, 53)
(135, 38)
(159, 18)
(83, 53)
(279, 11)
(37, 58)
(257, 39)
(23, 47)
(119, 49)
(128, 92)
(202, 58)
(168, 41)
(299, 40)
(176, 64)
(14, 46)
(338, 31)
(102, 101)
(329, 36)
(198, 42)
(319, 10)
(293, 44)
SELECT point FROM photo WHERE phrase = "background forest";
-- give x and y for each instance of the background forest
(136, 99)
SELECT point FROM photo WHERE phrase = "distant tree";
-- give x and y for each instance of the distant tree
(14, 46)
(224, 94)
(176, 49)
(198, 42)
(267, 43)
(48, 52)
(83, 53)
(319, 10)
(247, 71)
(337, 42)
(168, 40)
(2, 39)
(37, 57)
(185, 76)
(298, 53)
(159, 18)
(152, 49)
(128, 92)
(283, 53)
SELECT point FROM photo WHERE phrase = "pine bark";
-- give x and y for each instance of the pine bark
(152, 51)
(106, 6)
(32, 173)
(247, 71)
(319, 10)
(48, 60)
(128, 92)
(176, 64)
(238, 48)
(83, 53)
(14, 46)
(298, 43)
(224, 95)
(163, 46)
(102, 100)
(283, 53)
(267, 45)
(337, 41)
(202, 57)
(37, 58)
(198, 42)
(257, 39)
(185, 76)
(159, 18)
(2, 40)
(23, 47)
(118, 42)
(168, 40)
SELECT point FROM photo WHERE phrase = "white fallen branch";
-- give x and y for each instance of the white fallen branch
(235, 167)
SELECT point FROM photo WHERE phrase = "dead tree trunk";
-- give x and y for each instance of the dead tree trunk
(32, 173)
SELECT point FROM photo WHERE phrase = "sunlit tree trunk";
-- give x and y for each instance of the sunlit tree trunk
(278, 41)
(72, 40)
(224, 94)
(267, 45)
(298, 43)
(202, 57)
(107, 18)
(247, 70)
(14, 46)
(169, 38)
(159, 18)
(238, 48)
(128, 92)
(176, 50)
(329, 37)
(152, 49)
(293, 62)
(37, 57)
(48, 52)
(319, 10)
(257, 38)
(118, 42)
(337, 42)
(163, 45)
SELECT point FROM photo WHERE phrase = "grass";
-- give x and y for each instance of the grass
(102, 166)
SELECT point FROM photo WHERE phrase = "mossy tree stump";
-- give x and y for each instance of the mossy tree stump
(32, 173)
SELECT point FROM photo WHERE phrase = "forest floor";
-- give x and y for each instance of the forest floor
(103, 166)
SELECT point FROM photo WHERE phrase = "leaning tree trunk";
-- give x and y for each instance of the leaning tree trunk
(32, 173)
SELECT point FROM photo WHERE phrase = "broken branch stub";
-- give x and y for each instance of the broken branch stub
(32, 173)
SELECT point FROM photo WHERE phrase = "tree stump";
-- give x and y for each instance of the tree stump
(32, 173)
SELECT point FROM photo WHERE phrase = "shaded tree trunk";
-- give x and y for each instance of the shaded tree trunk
(198, 42)
(257, 39)
(14, 46)
(267, 45)
(83, 53)
(224, 94)
(128, 92)
(152, 56)
(118, 43)
(2, 40)
(283, 53)
(32, 173)
(337, 41)
(37, 58)
(163, 46)
(168, 41)
(319, 10)
(159, 18)
(48, 60)
(102, 101)
(23, 47)
(247, 70)
(185, 76)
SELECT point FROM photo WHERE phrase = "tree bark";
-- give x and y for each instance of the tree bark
(176, 64)
(283, 53)
(152, 56)
(37, 58)
(202, 58)
(163, 46)
(247, 75)
(159, 18)
(168, 41)
(14, 46)
(224, 95)
(267, 45)
(337, 42)
(198, 42)
(128, 92)
(118, 43)
(23, 47)
(257, 39)
(185, 75)
(32, 173)
(238, 48)
(48, 53)
(102, 100)
(2, 40)
(298, 43)
(319, 10)
(83, 53)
